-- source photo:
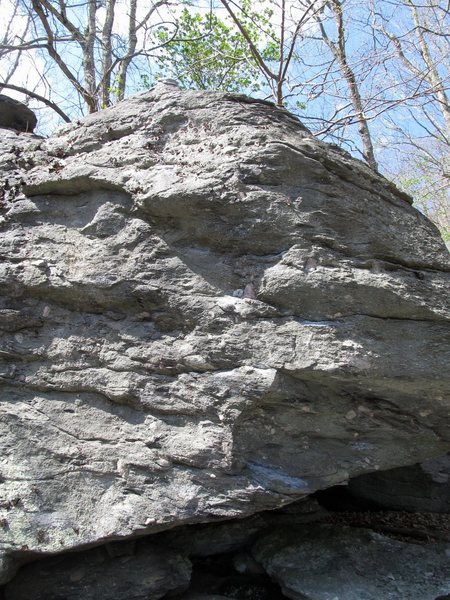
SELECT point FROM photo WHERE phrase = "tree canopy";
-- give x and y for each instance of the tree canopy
(372, 76)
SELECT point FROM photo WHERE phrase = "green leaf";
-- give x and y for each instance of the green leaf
(211, 53)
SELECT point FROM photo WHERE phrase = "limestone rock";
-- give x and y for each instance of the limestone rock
(150, 574)
(322, 562)
(16, 115)
(205, 313)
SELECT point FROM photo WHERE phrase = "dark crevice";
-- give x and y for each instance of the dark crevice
(72, 186)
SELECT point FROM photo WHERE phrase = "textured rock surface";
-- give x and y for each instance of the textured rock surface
(422, 487)
(16, 115)
(205, 313)
(154, 565)
(322, 562)
(148, 574)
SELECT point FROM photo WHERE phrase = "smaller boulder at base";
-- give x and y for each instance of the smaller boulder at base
(324, 562)
(97, 574)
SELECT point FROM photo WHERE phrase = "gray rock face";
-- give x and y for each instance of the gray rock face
(322, 562)
(149, 574)
(15, 115)
(205, 313)
(422, 487)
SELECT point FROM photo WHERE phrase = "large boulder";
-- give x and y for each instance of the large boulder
(206, 313)
(324, 562)
(16, 115)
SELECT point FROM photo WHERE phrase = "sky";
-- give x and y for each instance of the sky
(378, 74)
(41, 76)
(37, 74)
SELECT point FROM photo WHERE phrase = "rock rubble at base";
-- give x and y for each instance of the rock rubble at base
(271, 556)
(147, 573)
(205, 313)
(322, 562)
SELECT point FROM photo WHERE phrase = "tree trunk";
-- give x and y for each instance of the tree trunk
(88, 56)
(340, 54)
(132, 42)
(107, 54)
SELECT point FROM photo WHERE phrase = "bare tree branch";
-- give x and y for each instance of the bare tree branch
(46, 101)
